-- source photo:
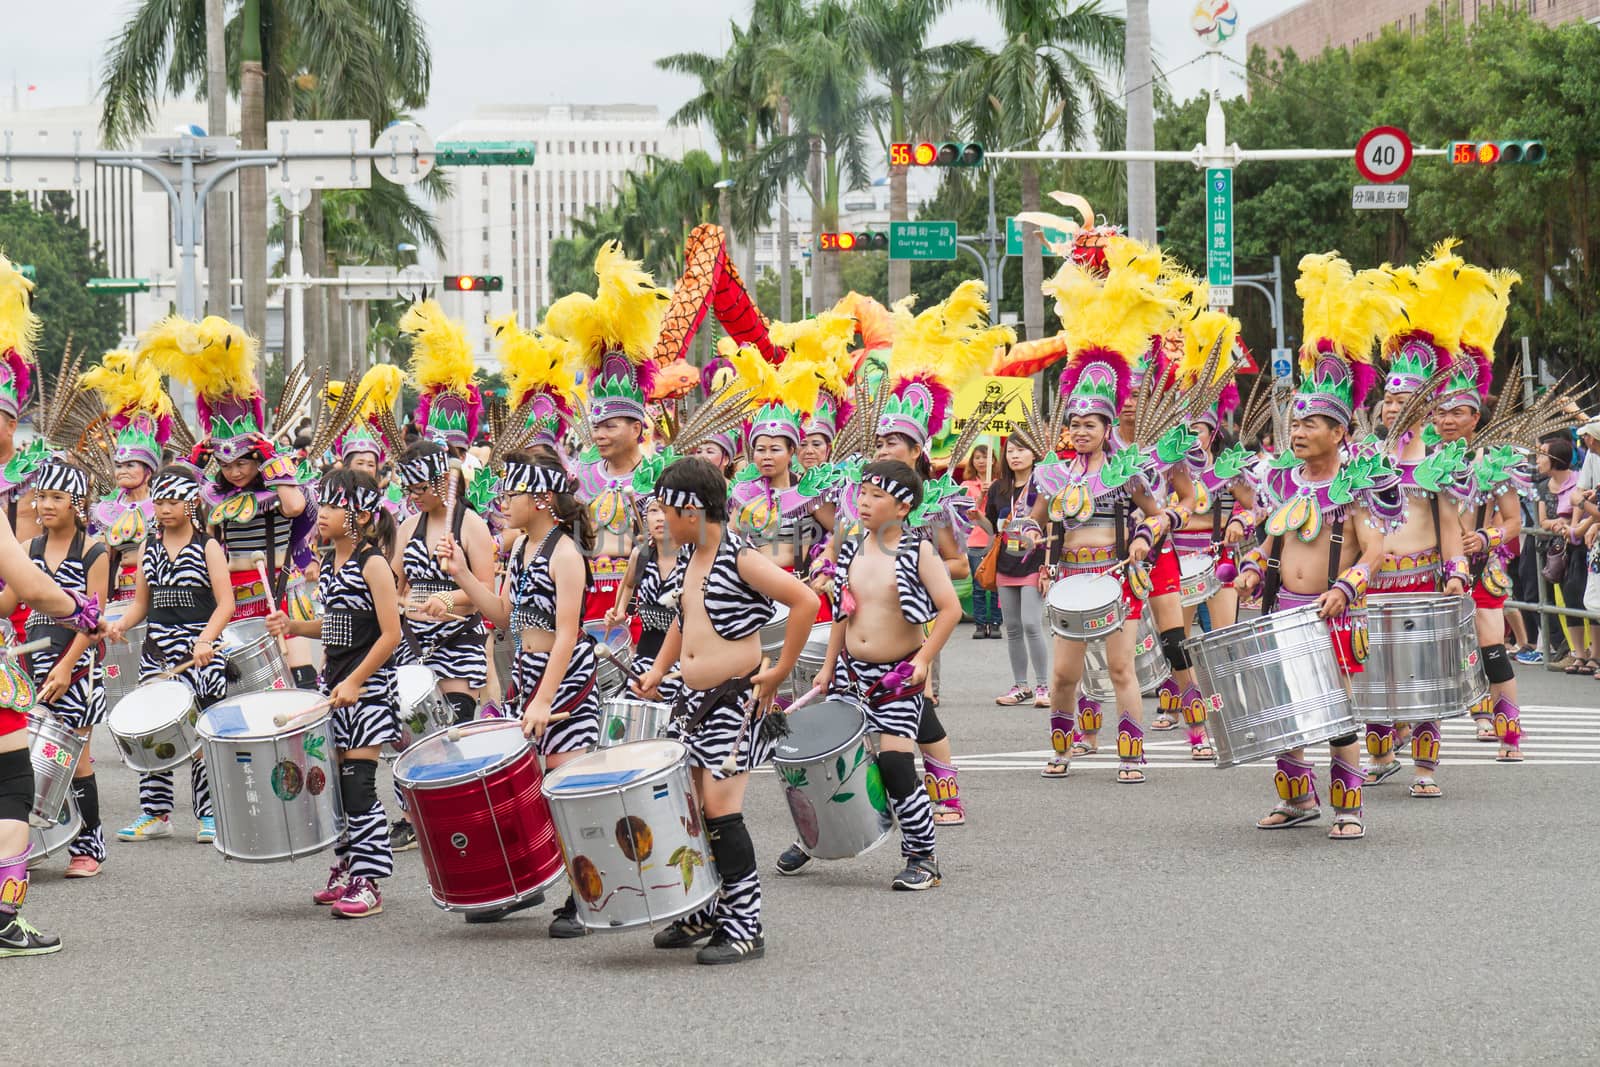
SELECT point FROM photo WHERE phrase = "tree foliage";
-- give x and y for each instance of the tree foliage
(64, 259)
(1507, 77)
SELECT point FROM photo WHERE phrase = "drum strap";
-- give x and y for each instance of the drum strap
(547, 546)
(1274, 580)
(1438, 532)
(1483, 563)
(1121, 526)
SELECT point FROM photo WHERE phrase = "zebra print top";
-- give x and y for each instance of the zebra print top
(350, 618)
(734, 609)
(916, 603)
(647, 596)
(425, 576)
(180, 588)
(533, 587)
(71, 574)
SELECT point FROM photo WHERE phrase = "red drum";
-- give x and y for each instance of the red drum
(484, 827)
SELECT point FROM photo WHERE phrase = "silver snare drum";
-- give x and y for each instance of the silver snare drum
(772, 633)
(1416, 668)
(54, 750)
(1082, 607)
(632, 835)
(1474, 682)
(254, 662)
(154, 726)
(625, 719)
(1149, 662)
(48, 840)
(1197, 578)
(1271, 684)
(276, 788)
(831, 780)
(809, 663)
(609, 678)
(119, 662)
(423, 709)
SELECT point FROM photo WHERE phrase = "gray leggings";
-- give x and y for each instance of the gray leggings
(1023, 610)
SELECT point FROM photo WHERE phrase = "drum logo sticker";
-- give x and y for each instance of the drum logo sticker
(1472, 659)
(1214, 702)
(113, 670)
(54, 753)
(1147, 644)
(287, 780)
(458, 840)
(316, 781)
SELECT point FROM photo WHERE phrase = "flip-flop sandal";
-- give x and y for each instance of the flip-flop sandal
(1081, 749)
(1051, 769)
(1422, 782)
(1346, 819)
(1202, 753)
(1514, 756)
(1486, 731)
(960, 817)
(1292, 816)
(1133, 769)
(1164, 722)
(1383, 771)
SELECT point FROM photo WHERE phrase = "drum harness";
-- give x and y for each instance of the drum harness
(54, 630)
(415, 647)
(546, 547)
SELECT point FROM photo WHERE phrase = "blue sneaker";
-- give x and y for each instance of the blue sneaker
(1532, 655)
(206, 832)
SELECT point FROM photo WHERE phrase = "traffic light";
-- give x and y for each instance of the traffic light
(928, 154)
(1488, 153)
(473, 283)
(865, 241)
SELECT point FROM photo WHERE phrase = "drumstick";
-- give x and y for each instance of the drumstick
(730, 765)
(285, 720)
(809, 696)
(625, 668)
(260, 561)
(451, 477)
(173, 672)
(452, 616)
(14, 651)
(454, 733)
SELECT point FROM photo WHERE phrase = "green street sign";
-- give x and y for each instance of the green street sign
(118, 285)
(28, 271)
(484, 153)
(1048, 234)
(1219, 226)
(922, 240)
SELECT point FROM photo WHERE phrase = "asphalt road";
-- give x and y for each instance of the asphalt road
(1078, 921)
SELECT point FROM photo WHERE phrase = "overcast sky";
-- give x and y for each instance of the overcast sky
(510, 51)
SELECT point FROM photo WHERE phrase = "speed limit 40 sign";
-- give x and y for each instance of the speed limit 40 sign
(1383, 154)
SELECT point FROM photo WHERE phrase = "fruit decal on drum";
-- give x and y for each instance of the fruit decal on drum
(686, 859)
(805, 815)
(586, 878)
(634, 838)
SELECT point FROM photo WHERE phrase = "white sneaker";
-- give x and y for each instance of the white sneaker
(146, 828)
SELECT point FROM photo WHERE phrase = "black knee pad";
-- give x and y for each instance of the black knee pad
(929, 729)
(358, 785)
(465, 707)
(86, 791)
(1172, 647)
(1347, 739)
(731, 846)
(899, 770)
(305, 677)
(16, 785)
(1496, 664)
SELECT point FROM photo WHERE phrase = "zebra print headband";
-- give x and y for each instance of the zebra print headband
(57, 476)
(535, 478)
(428, 468)
(680, 499)
(353, 498)
(174, 487)
(897, 489)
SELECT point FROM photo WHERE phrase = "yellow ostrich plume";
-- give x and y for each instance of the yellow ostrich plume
(1350, 309)
(19, 326)
(1119, 313)
(127, 383)
(624, 314)
(950, 342)
(750, 368)
(441, 357)
(822, 345)
(1201, 332)
(213, 357)
(379, 389)
(533, 360)
(1486, 313)
(1439, 294)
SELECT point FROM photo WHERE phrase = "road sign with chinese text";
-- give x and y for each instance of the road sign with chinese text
(1219, 226)
(922, 240)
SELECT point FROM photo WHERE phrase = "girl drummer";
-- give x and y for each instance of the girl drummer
(649, 572)
(184, 591)
(554, 675)
(360, 630)
(69, 685)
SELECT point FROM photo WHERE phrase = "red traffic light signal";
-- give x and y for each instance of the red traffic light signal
(1488, 153)
(865, 241)
(472, 283)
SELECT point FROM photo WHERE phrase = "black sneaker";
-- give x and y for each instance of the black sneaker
(475, 917)
(402, 836)
(17, 938)
(920, 873)
(566, 925)
(684, 934)
(724, 949)
(793, 860)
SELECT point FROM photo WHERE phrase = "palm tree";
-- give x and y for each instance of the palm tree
(364, 58)
(821, 66)
(1141, 122)
(772, 22)
(893, 36)
(1044, 79)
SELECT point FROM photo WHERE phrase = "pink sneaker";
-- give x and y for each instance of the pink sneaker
(338, 882)
(1041, 696)
(82, 867)
(1017, 694)
(360, 900)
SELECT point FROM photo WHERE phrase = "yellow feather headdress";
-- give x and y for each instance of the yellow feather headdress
(19, 326)
(539, 372)
(614, 333)
(934, 353)
(443, 370)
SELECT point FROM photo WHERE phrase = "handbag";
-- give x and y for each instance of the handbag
(1555, 562)
(988, 566)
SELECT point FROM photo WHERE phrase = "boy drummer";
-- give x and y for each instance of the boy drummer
(891, 583)
(726, 594)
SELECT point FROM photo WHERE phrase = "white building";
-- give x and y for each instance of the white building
(124, 211)
(503, 220)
